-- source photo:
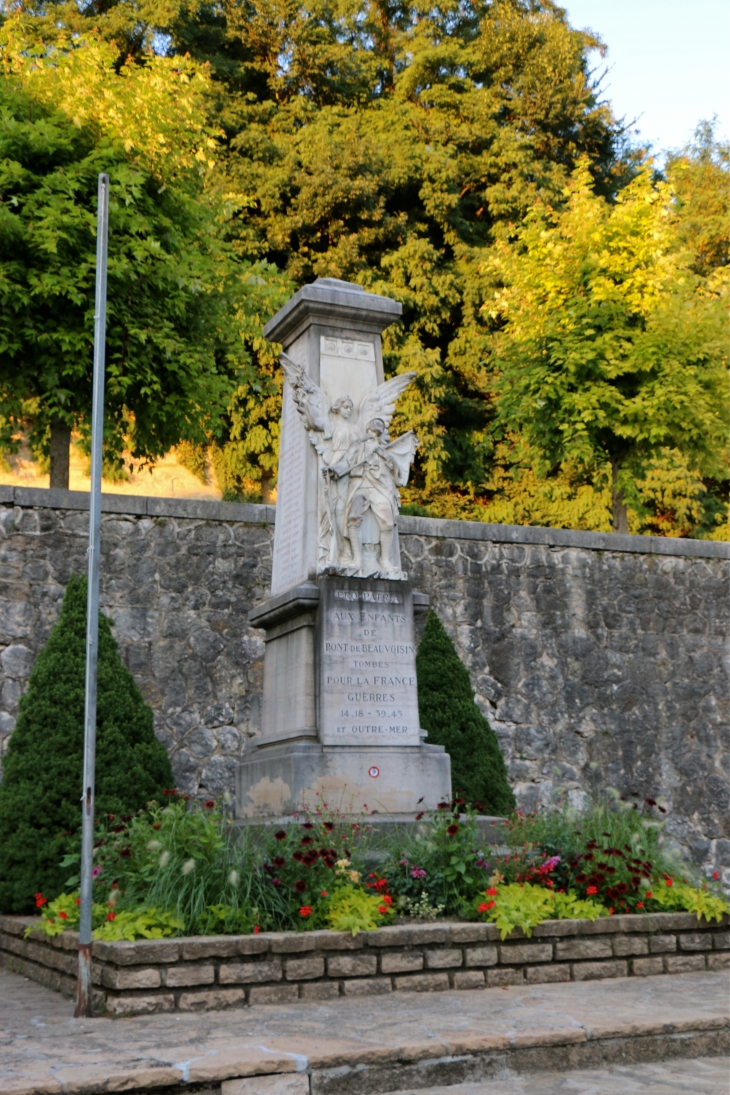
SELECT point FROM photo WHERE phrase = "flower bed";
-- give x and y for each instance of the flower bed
(203, 973)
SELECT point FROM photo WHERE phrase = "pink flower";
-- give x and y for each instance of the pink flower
(418, 872)
(96, 871)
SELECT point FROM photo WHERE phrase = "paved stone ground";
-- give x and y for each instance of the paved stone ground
(43, 1049)
(701, 1076)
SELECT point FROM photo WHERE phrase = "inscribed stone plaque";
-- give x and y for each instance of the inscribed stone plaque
(289, 563)
(347, 367)
(367, 663)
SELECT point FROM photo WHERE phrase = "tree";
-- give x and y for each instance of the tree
(451, 717)
(613, 350)
(174, 354)
(43, 767)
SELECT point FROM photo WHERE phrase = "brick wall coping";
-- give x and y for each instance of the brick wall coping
(436, 528)
(211, 972)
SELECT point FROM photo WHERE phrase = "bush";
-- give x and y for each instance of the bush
(40, 811)
(451, 717)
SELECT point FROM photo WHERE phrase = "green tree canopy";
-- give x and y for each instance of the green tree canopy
(40, 794)
(613, 351)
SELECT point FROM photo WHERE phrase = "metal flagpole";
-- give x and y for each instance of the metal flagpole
(83, 998)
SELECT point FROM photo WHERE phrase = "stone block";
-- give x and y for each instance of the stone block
(177, 977)
(468, 933)
(557, 927)
(624, 945)
(291, 942)
(538, 975)
(525, 952)
(401, 961)
(647, 967)
(342, 941)
(304, 969)
(719, 961)
(143, 952)
(684, 963)
(721, 941)
(320, 990)
(443, 959)
(249, 973)
(422, 982)
(496, 978)
(220, 946)
(113, 978)
(481, 956)
(605, 925)
(292, 1083)
(599, 971)
(386, 937)
(695, 941)
(469, 979)
(660, 944)
(254, 944)
(583, 948)
(429, 933)
(367, 986)
(139, 1005)
(352, 965)
(273, 994)
(211, 999)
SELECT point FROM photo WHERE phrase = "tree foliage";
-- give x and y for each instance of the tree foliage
(40, 794)
(614, 350)
(451, 717)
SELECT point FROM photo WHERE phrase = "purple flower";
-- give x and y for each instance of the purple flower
(404, 862)
(418, 872)
(96, 871)
(552, 863)
(276, 881)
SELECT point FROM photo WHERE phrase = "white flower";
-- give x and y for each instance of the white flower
(153, 846)
(233, 878)
(164, 859)
(342, 863)
(188, 866)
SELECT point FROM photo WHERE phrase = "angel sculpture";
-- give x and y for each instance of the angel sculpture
(361, 472)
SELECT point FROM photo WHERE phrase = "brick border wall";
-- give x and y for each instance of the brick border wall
(205, 973)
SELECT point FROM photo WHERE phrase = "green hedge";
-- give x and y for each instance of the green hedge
(451, 717)
(40, 810)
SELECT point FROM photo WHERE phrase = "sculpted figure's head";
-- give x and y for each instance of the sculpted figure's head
(343, 406)
(376, 427)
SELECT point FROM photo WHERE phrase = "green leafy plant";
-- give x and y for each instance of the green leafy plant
(143, 923)
(451, 717)
(42, 768)
(523, 905)
(354, 910)
(699, 900)
(420, 909)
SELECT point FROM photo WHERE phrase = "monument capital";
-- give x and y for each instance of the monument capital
(330, 302)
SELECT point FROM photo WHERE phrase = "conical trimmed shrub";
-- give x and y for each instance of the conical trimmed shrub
(40, 807)
(451, 717)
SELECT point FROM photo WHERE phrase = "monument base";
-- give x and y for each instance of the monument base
(340, 708)
(279, 779)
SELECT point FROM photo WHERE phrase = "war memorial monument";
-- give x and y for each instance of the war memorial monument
(340, 708)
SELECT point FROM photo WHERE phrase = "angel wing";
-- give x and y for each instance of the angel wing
(402, 451)
(381, 402)
(311, 402)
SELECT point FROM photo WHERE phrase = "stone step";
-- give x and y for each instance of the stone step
(693, 1076)
(359, 1046)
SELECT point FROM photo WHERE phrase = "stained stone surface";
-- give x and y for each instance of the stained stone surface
(600, 660)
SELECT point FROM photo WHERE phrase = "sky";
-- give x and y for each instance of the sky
(669, 63)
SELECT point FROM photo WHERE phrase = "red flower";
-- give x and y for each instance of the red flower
(419, 816)
(381, 884)
(278, 861)
(40, 900)
(209, 803)
(452, 829)
(323, 893)
(280, 835)
(256, 929)
(640, 904)
(78, 900)
(306, 910)
(669, 881)
(306, 840)
(715, 874)
(300, 886)
(111, 916)
(387, 900)
(329, 826)
(382, 908)
(63, 915)
(592, 890)
(486, 906)
(492, 891)
(648, 893)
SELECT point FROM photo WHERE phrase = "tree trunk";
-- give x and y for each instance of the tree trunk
(267, 495)
(618, 506)
(60, 443)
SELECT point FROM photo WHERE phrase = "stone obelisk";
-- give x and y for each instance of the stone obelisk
(340, 709)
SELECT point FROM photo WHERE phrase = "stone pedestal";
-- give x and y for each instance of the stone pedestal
(340, 708)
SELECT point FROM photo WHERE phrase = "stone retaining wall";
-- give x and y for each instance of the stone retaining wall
(599, 659)
(204, 973)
